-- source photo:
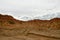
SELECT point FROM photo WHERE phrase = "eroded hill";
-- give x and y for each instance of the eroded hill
(10, 26)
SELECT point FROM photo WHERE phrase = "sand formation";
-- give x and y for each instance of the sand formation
(10, 26)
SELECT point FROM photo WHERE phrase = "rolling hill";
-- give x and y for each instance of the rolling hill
(10, 26)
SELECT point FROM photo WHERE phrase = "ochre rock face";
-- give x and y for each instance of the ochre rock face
(29, 30)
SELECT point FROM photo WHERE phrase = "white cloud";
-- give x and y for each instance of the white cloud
(29, 7)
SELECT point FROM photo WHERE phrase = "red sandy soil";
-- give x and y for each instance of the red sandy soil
(35, 29)
(10, 22)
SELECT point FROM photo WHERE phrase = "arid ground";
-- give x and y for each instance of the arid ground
(13, 29)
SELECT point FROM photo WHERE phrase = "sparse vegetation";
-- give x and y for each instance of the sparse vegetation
(0, 23)
(11, 22)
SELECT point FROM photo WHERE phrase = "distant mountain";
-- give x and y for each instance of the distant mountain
(58, 15)
(47, 16)
(44, 17)
(25, 18)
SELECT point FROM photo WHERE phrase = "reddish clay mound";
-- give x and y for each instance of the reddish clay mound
(10, 22)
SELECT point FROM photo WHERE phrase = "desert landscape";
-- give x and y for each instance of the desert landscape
(13, 29)
(29, 19)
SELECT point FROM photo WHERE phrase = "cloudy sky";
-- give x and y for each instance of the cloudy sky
(31, 8)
